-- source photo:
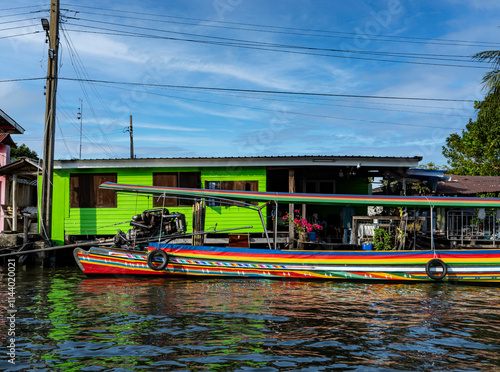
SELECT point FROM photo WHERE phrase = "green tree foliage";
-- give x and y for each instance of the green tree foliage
(23, 150)
(432, 165)
(491, 80)
(477, 151)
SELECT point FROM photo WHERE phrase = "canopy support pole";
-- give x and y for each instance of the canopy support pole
(414, 229)
(432, 230)
(264, 226)
(275, 226)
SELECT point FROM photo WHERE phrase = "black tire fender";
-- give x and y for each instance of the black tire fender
(434, 263)
(151, 256)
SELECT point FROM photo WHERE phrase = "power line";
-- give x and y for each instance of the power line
(22, 7)
(350, 35)
(22, 79)
(249, 44)
(16, 28)
(275, 50)
(17, 35)
(265, 91)
(78, 65)
(20, 20)
(314, 94)
(21, 14)
(329, 104)
(85, 134)
(259, 43)
(300, 113)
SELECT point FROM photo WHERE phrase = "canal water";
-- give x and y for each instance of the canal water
(67, 322)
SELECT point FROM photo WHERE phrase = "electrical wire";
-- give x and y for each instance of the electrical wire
(63, 139)
(415, 55)
(22, 7)
(286, 30)
(17, 27)
(22, 79)
(81, 71)
(247, 44)
(314, 94)
(22, 14)
(303, 114)
(19, 20)
(330, 104)
(70, 120)
(27, 33)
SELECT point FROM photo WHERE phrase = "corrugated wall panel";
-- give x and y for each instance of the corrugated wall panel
(231, 217)
(102, 221)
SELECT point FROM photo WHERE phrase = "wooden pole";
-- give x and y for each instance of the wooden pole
(291, 189)
(80, 114)
(196, 222)
(275, 226)
(50, 122)
(14, 202)
(131, 130)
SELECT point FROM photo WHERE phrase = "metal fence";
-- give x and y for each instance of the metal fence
(468, 225)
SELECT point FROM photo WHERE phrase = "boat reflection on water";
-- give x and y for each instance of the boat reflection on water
(316, 314)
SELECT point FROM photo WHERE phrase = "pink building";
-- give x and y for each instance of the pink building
(7, 127)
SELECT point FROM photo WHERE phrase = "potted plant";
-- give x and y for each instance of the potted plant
(300, 225)
(382, 241)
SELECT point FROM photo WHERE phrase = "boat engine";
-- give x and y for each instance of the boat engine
(151, 224)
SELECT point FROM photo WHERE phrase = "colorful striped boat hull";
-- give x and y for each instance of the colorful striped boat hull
(470, 266)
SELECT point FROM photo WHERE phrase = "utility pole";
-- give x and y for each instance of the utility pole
(79, 117)
(131, 139)
(50, 119)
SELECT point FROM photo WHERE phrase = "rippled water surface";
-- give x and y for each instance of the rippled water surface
(68, 322)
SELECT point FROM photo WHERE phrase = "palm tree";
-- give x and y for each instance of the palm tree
(491, 80)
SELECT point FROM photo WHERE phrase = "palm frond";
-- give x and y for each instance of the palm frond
(491, 56)
(491, 81)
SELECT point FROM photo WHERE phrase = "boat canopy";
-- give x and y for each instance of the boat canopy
(301, 198)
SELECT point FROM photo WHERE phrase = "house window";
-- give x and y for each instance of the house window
(230, 185)
(190, 180)
(85, 191)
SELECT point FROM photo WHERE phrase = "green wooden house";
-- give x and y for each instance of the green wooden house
(82, 210)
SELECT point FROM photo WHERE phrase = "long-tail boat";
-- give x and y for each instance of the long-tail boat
(164, 258)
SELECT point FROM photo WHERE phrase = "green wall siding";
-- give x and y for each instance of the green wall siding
(231, 217)
(104, 221)
(101, 221)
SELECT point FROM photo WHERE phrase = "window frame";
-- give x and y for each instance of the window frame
(85, 191)
(229, 185)
(190, 180)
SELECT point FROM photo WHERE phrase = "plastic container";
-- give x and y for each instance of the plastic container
(312, 236)
(367, 246)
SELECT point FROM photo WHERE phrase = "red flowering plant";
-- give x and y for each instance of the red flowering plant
(301, 224)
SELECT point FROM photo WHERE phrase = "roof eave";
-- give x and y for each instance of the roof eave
(277, 161)
(8, 125)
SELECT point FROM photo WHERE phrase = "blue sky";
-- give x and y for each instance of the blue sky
(342, 50)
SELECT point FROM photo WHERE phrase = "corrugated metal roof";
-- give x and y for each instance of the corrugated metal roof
(419, 158)
(5, 139)
(245, 161)
(469, 185)
(8, 125)
(25, 167)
